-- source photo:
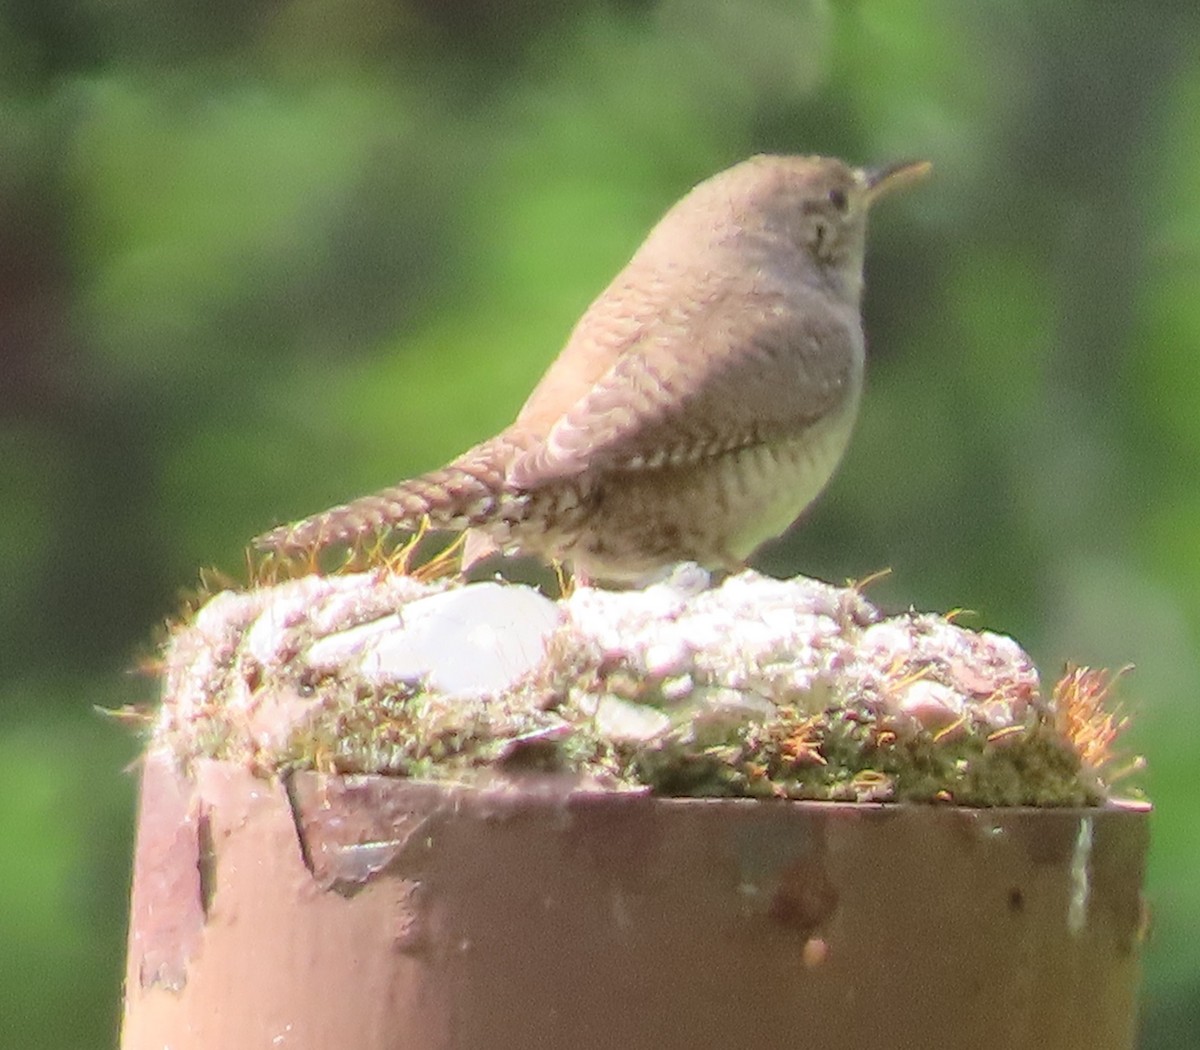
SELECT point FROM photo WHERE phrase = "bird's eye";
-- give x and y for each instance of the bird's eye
(838, 199)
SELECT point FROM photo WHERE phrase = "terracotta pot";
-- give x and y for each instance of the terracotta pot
(321, 913)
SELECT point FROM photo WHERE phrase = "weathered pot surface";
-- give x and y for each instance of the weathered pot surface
(371, 912)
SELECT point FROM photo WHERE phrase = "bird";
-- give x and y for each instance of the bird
(699, 406)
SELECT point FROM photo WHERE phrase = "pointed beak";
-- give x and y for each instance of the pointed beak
(888, 177)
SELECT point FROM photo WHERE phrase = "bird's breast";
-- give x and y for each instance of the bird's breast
(769, 486)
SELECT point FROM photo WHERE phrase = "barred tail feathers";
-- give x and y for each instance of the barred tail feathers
(463, 494)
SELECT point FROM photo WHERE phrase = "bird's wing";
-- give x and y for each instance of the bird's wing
(741, 368)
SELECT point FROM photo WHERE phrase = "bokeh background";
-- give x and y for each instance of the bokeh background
(257, 256)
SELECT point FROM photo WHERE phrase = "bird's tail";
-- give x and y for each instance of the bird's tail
(468, 492)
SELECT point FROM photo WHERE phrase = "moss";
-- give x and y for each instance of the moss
(842, 754)
(852, 754)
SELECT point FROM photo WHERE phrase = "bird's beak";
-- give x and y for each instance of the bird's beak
(888, 177)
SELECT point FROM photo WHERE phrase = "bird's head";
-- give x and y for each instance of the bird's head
(817, 204)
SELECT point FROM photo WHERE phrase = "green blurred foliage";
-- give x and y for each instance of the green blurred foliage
(258, 257)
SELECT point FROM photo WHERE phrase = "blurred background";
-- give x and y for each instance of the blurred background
(257, 256)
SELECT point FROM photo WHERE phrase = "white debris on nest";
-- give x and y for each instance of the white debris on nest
(726, 654)
(239, 639)
(939, 673)
(469, 641)
(680, 658)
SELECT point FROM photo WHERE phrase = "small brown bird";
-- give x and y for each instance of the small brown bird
(700, 405)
